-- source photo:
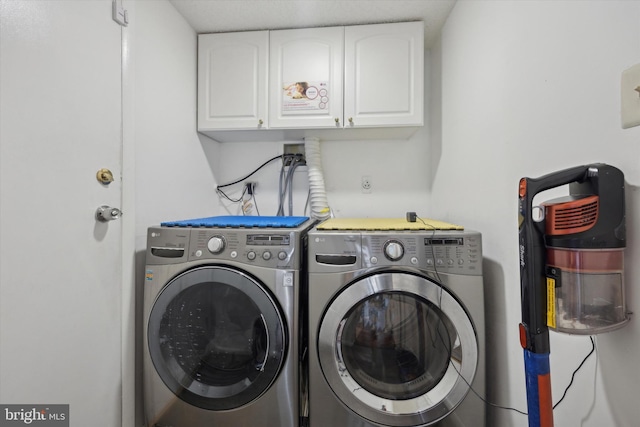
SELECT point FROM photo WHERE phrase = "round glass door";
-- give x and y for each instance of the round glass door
(398, 349)
(216, 338)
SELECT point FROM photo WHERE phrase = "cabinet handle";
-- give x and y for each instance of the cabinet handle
(260, 122)
(351, 120)
(337, 120)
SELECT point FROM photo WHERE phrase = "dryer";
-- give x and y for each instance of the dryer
(221, 325)
(396, 326)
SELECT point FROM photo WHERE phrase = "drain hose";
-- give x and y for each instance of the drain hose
(319, 205)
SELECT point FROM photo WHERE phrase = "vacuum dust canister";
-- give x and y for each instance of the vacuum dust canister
(585, 242)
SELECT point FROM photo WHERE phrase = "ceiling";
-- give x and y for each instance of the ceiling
(215, 16)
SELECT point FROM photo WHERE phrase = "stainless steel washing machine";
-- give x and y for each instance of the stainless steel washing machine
(221, 329)
(396, 328)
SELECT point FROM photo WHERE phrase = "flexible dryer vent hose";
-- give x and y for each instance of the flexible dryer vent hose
(318, 195)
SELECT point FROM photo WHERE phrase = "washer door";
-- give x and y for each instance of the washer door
(216, 338)
(398, 349)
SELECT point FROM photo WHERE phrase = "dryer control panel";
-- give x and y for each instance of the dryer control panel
(444, 251)
(447, 252)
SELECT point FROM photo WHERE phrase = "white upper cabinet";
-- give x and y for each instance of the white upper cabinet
(383, 75)
(305, 78)
(363, 81)
(232, 80)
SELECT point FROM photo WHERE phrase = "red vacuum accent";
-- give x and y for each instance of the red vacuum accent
(586, 261)
(546, 404)
(573, 216)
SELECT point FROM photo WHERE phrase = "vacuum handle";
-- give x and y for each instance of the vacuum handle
(555, 179)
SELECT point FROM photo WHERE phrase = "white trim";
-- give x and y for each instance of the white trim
(128, 311)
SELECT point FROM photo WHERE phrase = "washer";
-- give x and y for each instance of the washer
(221, 329)
(396, 327)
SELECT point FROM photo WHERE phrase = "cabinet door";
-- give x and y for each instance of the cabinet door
(232, 80)
(305, 78)
(384, 75)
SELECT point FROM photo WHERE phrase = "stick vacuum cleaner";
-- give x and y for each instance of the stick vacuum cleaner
(571, 268)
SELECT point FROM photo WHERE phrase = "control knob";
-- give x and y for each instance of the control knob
(215, 244)
(393, 250)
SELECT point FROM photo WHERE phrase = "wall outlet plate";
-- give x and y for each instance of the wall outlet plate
(630, 97)
(365, 184)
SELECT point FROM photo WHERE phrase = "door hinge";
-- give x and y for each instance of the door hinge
(120, 14)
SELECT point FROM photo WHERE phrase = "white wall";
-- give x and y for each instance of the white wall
(173, 176)
(525, 88)
(399, 180)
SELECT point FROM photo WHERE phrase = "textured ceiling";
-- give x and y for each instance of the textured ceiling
(214, 16)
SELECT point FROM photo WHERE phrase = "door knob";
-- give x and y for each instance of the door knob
(104, 176)
(107, 213)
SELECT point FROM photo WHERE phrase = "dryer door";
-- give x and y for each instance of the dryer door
(216, 337)
(398, 349)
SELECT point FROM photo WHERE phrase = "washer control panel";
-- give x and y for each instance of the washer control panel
(274, 249)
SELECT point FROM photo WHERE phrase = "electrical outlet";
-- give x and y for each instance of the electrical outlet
(630, 97)
(251, 187)
(365, 184)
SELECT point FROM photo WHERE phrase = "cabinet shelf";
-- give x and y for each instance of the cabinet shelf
(274, 135)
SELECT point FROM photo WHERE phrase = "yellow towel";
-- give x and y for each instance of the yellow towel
(386, 224)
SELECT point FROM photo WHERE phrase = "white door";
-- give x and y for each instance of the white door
(232, 80)
(60, 273)
(384, 75)
(305, 78)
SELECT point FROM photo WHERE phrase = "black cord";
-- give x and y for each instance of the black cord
(223, 194)
(244, 191)
(495, 405)
(439, 283)
(279, 156)
(593, 348)
(433, 254)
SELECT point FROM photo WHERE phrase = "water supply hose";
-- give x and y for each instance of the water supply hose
(319, 205)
